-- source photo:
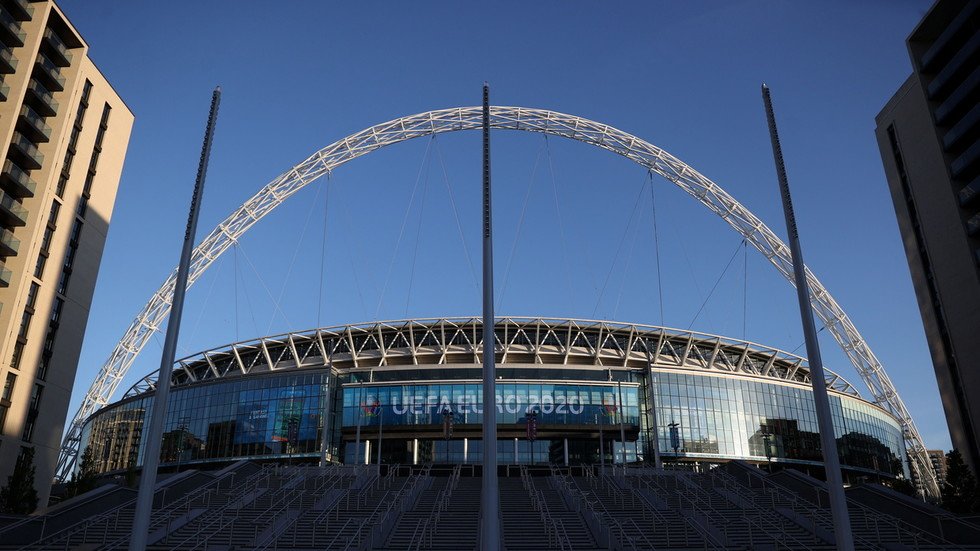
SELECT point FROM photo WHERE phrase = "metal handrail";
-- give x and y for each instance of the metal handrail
(856, 509)
(217, 516)
(321, 482)
(85, 524)
(539, 504)
(609, 486)
(815, 516)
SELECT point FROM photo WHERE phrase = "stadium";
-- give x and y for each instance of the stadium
(609, 435)
(589, 385)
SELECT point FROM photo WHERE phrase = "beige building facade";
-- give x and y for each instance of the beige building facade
(64, 133)
(929, 137)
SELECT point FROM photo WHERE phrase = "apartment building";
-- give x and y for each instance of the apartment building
(929, 137)
(64, 133)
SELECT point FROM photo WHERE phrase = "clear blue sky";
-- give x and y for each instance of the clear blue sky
(297, 76)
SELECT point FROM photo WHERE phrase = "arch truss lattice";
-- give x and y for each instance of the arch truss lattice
(711, 195)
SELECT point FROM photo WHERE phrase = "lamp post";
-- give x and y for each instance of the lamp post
(531, 417)
(622, 423)
(357, 438)
(675, 438)
(602, 443)
(379, 411)
(447, 428)
(182, 436)
(767, 443)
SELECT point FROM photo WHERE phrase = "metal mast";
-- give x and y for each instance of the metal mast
(154, 435)
(835, 484)
(490, 502)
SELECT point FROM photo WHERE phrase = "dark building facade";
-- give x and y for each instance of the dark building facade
(929, 137)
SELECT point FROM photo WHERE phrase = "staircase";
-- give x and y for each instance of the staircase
(446, 516)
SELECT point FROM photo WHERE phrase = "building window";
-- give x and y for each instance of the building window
(94, 162)
(8, 386)
(42, 366)
(18, 354)
(63, 282)
(32, 295)
(73, 139)
(42, 259)
(36, 398)
(42, 256)
(25, 323)
(59, 305)
(49, 342)
(29, 427)
(32, 412)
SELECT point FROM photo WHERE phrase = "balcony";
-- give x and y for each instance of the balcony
(20, 9)
(8, 243)
(4, 90)
(8, 63)
(48, 74)
(5, 276)
(42, 100)
(33, 126)
(56, 49)
(10, 32)
(25, 152)
(12, 213)
(17, 181)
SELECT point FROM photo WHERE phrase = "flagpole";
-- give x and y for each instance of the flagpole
(831, 461)
(490, 502)
(602, 443)
(357, 444)
(622, 426)
(154, 432)
(381, 426)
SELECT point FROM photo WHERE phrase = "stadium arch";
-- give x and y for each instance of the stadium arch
(655, 159)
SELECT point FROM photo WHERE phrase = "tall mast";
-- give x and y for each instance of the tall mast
(151, 456)
(490, 506)
(831, 462)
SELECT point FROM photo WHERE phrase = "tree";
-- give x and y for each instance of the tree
(904, 486)
(960, 494)
(83, 479)
(131, 476)
(19, 495)
(86, 473)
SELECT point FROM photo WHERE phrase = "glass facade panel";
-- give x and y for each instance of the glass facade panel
(235, 418)
(698, 416)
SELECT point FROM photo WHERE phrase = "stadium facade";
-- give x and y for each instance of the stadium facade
(598, 391)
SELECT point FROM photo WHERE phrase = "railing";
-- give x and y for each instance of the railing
(754, 520)
(27, 147)
(696, 504)
(57, 44)
(599, 520)
(230, 511)
(49, 68)
(43, 94)
(274, 515)
(557, 537)
(36, 120)
(876, 528)
(428, 528)
(18, 175)
(206, 498)
(111, 517)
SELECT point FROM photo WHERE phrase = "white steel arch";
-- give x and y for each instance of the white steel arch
(710, 194)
